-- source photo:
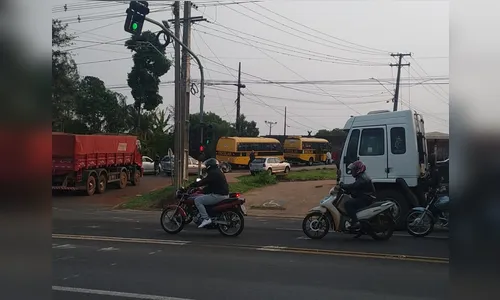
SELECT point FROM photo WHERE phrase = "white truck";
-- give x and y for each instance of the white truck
(393, 147)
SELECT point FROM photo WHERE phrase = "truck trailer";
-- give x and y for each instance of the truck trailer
(90, 162)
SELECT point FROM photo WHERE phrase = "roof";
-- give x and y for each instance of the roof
(435, 135)
(251, 139)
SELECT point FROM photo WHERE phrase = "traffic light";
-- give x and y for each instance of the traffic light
(209, 134)
(136, 13)
(202, 149)
(201, 157)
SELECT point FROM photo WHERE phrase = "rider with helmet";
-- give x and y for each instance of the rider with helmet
(362, 192)
(215, 190)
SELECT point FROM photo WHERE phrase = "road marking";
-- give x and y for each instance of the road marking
(109, 249)
(119, 239)
(113, 293)
(65, 246)
(389, 256)
(395, 234)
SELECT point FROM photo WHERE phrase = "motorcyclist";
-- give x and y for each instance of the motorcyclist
(215, 190)
(362, 192)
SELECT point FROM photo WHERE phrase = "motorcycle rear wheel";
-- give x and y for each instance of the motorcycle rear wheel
(385, 223)
(179, 220)
(309, 229)
(234, 216)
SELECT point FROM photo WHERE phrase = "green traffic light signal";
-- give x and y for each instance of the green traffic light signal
(134, 26)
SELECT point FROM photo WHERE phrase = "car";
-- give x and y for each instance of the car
(148, 165)
(168, 166)
(272, 165)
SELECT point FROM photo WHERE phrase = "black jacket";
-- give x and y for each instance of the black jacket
(214, 183)
(362, 187)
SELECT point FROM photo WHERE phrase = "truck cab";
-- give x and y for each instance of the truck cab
(392, 145)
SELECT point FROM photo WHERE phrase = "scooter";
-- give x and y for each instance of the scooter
(376, 220)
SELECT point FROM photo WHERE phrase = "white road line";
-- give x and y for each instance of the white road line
(395, 234)
(113, 293)
(271, 248)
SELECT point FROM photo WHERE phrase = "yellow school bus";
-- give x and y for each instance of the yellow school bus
(305, 149)
(236, 150)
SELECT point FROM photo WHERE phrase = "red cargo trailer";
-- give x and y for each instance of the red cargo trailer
(90, 162)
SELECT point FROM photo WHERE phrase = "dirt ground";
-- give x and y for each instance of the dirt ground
(113, 195)
(289, 199)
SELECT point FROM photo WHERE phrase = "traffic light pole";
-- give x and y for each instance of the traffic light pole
(202, 75)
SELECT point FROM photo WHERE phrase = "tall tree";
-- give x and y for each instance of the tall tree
(248, 128)
(150, 64)
(64, 77)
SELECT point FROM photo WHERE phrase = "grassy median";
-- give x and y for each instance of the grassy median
(164, 196)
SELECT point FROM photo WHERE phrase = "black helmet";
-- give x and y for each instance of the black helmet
(211, 162)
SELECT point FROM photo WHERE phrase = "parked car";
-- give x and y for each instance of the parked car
(168, 166)
(272, 165)
(149, 165)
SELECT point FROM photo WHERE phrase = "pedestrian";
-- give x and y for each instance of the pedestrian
(328, 157)
(252, 156)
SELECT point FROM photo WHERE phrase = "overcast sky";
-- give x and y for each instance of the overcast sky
(331, 41)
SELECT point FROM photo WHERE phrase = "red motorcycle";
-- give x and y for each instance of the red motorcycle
(227, 215)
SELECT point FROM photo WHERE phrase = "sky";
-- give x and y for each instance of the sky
(341, 49)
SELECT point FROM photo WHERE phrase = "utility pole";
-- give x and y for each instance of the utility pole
(178, 153)
(238, 101)
(399, 65)
(284, 126)
(185, 82)
(186, 22)
(271, 124)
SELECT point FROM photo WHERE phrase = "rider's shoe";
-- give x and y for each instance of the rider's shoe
(205, 223)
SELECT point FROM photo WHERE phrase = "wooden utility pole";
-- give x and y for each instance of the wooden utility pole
(178, 161)
(271, 124)
(186, 84)
(399, 65)
(284, 126)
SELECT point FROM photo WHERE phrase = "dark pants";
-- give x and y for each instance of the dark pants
(354, 204)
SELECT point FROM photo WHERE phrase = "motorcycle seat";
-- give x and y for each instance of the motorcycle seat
(225, 201)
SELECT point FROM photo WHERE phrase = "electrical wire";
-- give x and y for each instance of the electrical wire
(328, 35)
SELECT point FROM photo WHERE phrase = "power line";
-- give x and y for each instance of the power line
(293, 49)
(296, 30)
(328, 35)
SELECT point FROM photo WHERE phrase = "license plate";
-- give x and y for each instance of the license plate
(243, 209)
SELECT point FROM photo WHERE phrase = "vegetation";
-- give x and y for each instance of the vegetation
(310, 175)
(84, 105)
(151, 200)
(247, 182)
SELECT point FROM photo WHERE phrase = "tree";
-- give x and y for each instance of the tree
(248, 129)
(150, 64)
(64, 78)
(100, 109)
(333, 132)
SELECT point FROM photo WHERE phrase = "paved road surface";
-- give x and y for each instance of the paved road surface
(108, 253)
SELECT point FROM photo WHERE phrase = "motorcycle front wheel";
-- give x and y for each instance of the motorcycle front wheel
(316, 225)
(382, 227)
(419, 224)
(236, 223)
(171, 220)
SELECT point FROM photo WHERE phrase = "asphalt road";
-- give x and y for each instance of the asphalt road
(124, 254)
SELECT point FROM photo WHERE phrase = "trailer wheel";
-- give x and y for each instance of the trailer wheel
(123, 180)
(91, 185)
(136, 180)
(101, 187)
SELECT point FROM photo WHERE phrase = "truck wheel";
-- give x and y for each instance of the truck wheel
(101, 186)
(123, 180)
(91, 185)
(136, 180)
(402, 208)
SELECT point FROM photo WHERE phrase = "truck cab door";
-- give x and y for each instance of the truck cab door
(402, 159)
(373, 151)
(349, 155)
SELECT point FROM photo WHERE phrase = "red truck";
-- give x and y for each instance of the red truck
(90, 162)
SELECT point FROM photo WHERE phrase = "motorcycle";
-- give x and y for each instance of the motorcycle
(227, 216)
(421, 220)
(376, 219)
